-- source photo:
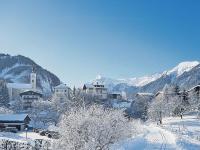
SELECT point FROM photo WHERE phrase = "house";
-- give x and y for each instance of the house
(28, 97)
(14, 89)
(97, 90)
(62, 91)
(115, 95)
(18, 121)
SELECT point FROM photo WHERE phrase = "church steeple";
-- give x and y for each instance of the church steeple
(33, 69)
(33, 78)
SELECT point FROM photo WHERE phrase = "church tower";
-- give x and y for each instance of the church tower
(33, 78)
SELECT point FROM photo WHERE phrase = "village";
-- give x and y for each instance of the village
(29, 94)
(99, 75)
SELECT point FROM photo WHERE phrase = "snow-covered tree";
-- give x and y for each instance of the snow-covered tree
(61, 103)
(164, 103)
(4, 110)
(155, 110)
(194, 98)
(94, 128)
(183, 105)
(4, 97)
(42, 114)
(139, 106)
(17, 106)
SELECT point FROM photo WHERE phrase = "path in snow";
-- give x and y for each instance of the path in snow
(154, 138)
(158, 138)
(174, 134)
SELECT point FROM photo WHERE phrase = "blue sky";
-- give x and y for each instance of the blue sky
(77, 40)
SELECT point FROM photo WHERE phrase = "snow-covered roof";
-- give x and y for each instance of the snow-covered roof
(31, 92)
(118, 93)
(13, 117)
(61, 86)
(197, 86)
(145, 94)
(89, 86)
(19, 85)
(158, 93)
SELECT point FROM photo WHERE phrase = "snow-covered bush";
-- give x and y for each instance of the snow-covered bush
(95, 128)
(4, 110)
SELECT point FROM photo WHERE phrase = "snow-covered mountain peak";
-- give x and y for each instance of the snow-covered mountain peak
(183, 67)
(179, 75)
(140, 81)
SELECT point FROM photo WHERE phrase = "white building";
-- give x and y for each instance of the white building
(61, 92)
(28, 93)
(97, 90)
(33, 79)
(14, 89)
(28, 97)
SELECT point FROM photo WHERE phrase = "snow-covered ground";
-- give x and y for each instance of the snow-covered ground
(174, 134)
(21, 136)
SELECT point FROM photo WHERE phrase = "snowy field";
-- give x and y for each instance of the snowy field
(21, 136)
(174, 134)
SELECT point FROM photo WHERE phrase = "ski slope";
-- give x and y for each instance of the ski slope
(174, 134)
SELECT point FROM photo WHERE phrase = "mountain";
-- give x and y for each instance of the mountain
(185, 74)
(138, 82)
(17, 69)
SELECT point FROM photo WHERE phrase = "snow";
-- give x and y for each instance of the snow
(145, 94)
(173, 134)
(32, 135)
(142, 81)
(61, 86)
(12, 117)
(21, 136)
(183, 67)
(6, 70)
(153, 138)
(187, 131)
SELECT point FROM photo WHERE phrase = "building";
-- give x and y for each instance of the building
(97, 90)
(62, 90)
(61, 93)
(115, 95)
(33, 79)
(14, 89)
(28, 97)
(18, 121)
